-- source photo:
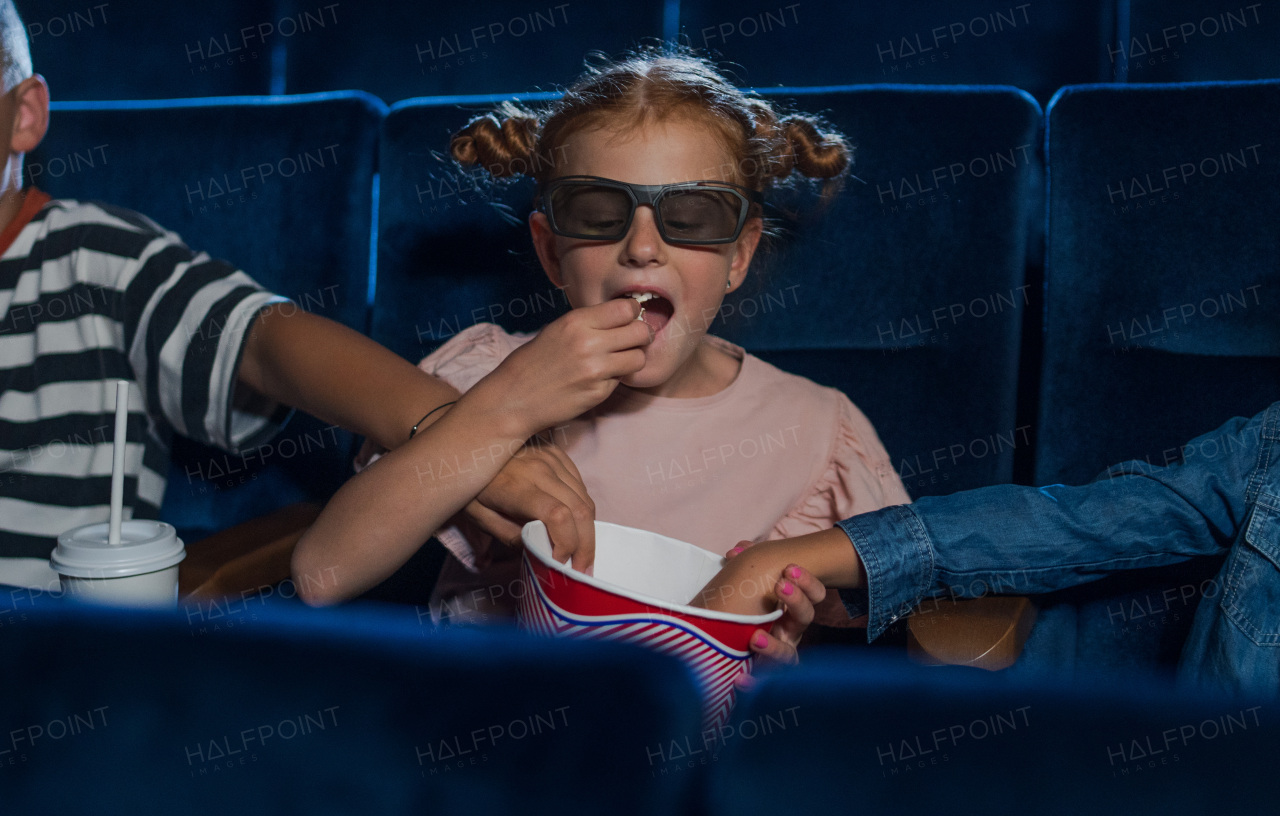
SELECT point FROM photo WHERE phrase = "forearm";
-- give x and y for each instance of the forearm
(337, 375)
(746, 585)
(827, 555)
(1008, 539)
(1013, 540)
(379, 518)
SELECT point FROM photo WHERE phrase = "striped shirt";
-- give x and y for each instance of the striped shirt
(90, 294)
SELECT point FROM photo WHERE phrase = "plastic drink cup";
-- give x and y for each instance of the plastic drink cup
(142, 570)
(129, 563)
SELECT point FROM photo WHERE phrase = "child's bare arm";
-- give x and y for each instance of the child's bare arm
(748, 583)
(380, 517)
(337, 375)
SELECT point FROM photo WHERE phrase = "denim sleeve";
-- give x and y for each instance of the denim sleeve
(1010, 539)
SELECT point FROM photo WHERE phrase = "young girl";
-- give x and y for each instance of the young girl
(651, 209)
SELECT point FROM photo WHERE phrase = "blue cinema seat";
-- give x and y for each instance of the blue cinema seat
(1162, 264)
(146, 49)
(848, 735)
(282, 187)
(403, 50)
(453, 249)
(1196, 40)
(907, 292)
(1036, 46)
(241, 707)
(1161, 254)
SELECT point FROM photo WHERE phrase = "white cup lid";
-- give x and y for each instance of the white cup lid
(145, 546)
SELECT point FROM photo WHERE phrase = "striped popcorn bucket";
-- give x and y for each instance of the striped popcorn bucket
(637, 594)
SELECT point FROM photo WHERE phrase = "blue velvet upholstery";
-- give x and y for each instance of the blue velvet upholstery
(847, 735)
(141, 50)
(147, 49)
(1162, 257)
(453, 249)
(1159, 325)
(282, 187)
(402, 50)
(1196, 40)
(1038, 47)
(907, 293)
(266, 709)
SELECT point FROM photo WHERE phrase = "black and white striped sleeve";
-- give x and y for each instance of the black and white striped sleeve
(186, 318)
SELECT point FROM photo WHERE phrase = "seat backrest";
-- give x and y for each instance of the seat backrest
(403, 50)
(896, 738)
(280, 186)
(453, 249)
(1159, 326)
(1162, 257)
(208, 707)
(906, 292)
(1038, 47)
(146, 49)
(1195, 41)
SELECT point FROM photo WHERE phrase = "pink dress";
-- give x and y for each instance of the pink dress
(773, 455)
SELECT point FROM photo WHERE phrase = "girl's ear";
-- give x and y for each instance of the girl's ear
(544, 243)
(31, 114)
(743, 251)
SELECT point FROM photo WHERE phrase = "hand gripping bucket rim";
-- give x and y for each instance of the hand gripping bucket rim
(537, 544)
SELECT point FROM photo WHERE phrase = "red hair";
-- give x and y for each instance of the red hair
(652, 86)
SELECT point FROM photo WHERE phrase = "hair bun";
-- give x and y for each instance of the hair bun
(503, 142)
(812, 152)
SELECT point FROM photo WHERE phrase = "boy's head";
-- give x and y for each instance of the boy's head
(24, 108)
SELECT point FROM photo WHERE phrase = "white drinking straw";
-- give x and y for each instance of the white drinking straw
(117, 462)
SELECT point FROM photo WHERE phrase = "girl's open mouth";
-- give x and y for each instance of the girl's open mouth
(655, 310)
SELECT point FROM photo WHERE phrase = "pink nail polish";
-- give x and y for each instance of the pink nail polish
(795, 572)
(786, 587)
(735, 551)
(761, 641)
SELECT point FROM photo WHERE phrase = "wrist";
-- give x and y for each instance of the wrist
(425, 406)
(828, 556)
(427, 418)
(497, 414)
(755, 572)
(507, 416)
(835, 562)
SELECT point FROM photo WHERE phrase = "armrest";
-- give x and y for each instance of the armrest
(247, 557)
(988, 633)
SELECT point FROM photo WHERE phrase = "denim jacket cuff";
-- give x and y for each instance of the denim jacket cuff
(898, 556)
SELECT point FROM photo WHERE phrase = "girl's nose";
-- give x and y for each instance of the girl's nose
(643, 243)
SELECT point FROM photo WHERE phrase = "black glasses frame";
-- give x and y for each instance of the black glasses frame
(652, 195)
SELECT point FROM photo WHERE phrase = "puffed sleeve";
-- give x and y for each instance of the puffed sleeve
(468, 357)
(858, 478)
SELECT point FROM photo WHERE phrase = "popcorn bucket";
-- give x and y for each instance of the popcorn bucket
(639, 594)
